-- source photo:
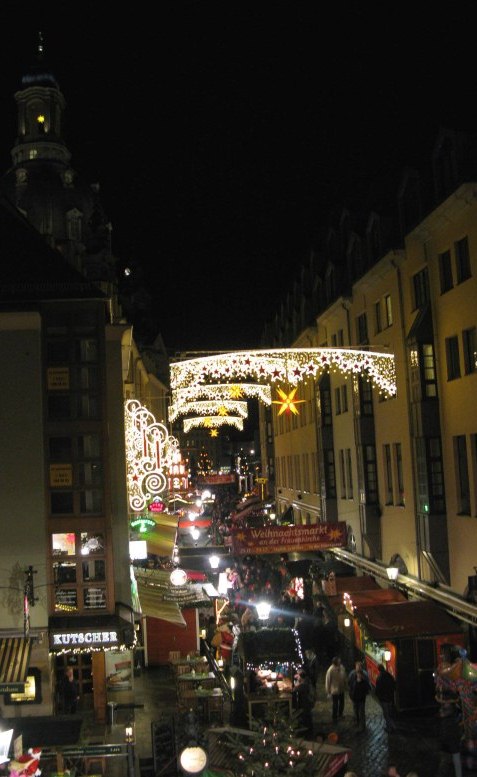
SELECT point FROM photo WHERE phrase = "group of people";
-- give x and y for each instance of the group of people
(338, 681)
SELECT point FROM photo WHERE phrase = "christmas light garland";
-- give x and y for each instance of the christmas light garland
(286, 366)
(150, 453)
(209, 407)
(212, 422)
(222, 391)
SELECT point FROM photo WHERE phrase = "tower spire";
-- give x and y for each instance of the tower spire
(40, 49)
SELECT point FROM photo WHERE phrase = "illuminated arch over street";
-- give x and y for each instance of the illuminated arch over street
(213, 422)
(286, 365)
(223, 391)
(209, 407)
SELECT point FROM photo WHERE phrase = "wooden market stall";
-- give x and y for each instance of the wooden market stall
(271, 657)
(408, 638)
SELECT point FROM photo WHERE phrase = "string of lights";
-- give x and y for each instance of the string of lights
(212, 422)
(289, 366)
(208, 407)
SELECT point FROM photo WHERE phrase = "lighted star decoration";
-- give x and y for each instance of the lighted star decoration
(214, 432)
(286, 365)
(287, 402)
(236, 392)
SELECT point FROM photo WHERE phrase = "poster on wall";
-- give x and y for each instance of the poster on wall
(119, 675)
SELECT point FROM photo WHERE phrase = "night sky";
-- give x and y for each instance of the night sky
(226, 136)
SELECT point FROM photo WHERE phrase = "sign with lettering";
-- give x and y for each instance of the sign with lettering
(83, 638)
(58, 378)
(61, 475)
(286, 539)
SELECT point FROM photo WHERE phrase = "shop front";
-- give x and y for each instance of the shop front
(99, 648)
(408, 638)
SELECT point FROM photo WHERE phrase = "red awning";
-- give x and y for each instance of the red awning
(396, 620)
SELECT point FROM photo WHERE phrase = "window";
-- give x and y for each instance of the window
(388, 310)
(344, 398)
(462, 260)
(341, 400)
(452, 354)
(75, 475)
(330, 475)
(445, 271)
(388, 474)
(325, 406)
(365, 397)
(436, 475)
(337, 401)
(346, 474)
(420, 282)
(370, 474)
(397, 451)
(377, 315)
(362, 328)
(469, 345)
(349, 474)
(462, 475)
(342, 474)
(429, 370)
(78, 561)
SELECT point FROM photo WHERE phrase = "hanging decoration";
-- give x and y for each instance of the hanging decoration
(214, 432)
(211, 422)
(288, 403)
(149, 454)
(222, 391)
(286, 365)
(208, 407)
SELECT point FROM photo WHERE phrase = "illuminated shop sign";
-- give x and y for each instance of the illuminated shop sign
(85, 638)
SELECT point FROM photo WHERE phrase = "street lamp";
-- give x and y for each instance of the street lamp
(193, 759)
(178, 577)
(263, 610)
(214, 562)
(392, 573)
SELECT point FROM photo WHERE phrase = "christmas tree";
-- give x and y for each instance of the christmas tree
(273, 747)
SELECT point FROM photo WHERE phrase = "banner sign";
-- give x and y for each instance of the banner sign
(286, 539)
(216, 480)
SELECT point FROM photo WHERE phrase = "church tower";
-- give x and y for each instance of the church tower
(44, 186)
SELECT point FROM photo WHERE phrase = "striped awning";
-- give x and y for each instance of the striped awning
(14, 662)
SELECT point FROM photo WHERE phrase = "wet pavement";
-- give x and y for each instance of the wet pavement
(414, 747)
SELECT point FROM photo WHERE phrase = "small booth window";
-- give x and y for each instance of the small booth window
(32, 692)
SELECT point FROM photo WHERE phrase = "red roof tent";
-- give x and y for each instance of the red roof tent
(406, 619)
(368, 598)
(355, 583)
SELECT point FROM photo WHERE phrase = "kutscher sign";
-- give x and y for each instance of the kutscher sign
(285, 539)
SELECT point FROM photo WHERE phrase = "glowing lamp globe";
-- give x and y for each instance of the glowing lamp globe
(178, 577)
(263, 610)
(214, 562)
(193, 760)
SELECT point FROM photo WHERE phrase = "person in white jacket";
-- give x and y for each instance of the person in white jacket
(335, 686)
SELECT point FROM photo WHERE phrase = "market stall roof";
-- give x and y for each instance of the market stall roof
(162, 537)
(270, 645)
(368, 598)
(14, 662)
(356, 583)
(159, 598)
(395, 620)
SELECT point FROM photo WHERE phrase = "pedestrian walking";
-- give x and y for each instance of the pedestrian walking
(450, 733)
(359, 687)
(385, 689)
(335, 686)
(304, 701)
